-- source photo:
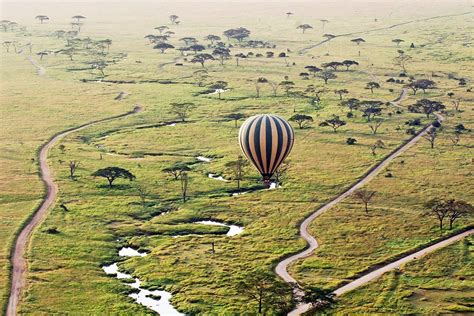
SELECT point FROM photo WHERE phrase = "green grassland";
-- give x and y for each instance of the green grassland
(65, 272)
(434, 284)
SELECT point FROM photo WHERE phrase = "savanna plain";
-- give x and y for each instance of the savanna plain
(356, 80)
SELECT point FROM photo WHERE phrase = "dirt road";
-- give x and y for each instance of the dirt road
(18, 260)
(303, 50)
(392, 266)
(282, 267)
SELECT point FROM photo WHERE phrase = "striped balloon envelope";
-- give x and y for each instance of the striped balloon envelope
(266, 140)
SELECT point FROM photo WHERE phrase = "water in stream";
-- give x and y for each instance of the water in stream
(156, 300)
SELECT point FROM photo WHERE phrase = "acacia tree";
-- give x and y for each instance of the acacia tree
(219, 87)
(341, 92)
(397, 41)
(100, 66)
(202, 58)
(212, 38)
(143, 193)
(73, 165)
(326, 75)
(329, 36)
(302, 120)
(42, 54)
(358, 41)
(304, 27)
(421, 84)
(238, 57)
(70, 52)
(287, 86)
(372, 85)
(349, 63)
(197, 48)
(402, 60)
(438, 208)
(113, 173)
(458, 209)
(182, 109)
(7, 45)
(237, 169)
(288, 14)
(176, 169)
(378, 144)
(335, 122)
(370, 108)
(222, 54)
(365, 196)
(266, 291)
(426, 106)
(78, 18)
(258, 84)
(174, 19)
(5, 24)
(163, 46)
(431, 135)
(239, 33)
(374, 126)
(323, 22)
(313, 70)
(351, 104)
(42, 18)
(456, 104)
(274, 86)
(332, 64)
(235, 117)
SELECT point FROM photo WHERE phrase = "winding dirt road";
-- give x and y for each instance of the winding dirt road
(282, 267)
(17, 257)
(303, 50)
(392, 266)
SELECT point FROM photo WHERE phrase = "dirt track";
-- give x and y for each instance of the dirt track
(303, 50)
(282, 267)
(17, 258)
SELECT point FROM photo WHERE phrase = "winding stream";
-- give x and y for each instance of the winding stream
(203, 159)
(156, 300)
(216, 177)
(233, 229)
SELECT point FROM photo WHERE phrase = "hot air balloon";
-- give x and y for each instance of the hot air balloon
(266, 140)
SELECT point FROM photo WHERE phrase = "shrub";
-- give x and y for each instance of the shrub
(436, 124)
(51, 230)
(411, 131)
(413, 122)
(351, 141)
